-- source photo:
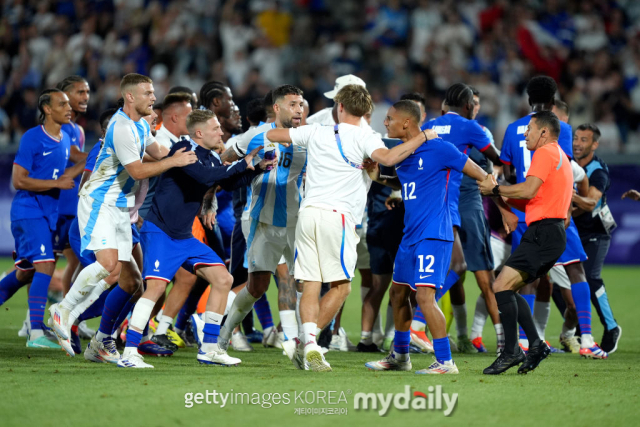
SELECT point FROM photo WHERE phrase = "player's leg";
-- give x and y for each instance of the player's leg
(542, 306)
(287, 298)
(485, 280)
(183, 283)
(568, 341)
(371, 310)
(528, 293)
(13, 281)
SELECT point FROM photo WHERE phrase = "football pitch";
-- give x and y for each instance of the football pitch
(47, 388)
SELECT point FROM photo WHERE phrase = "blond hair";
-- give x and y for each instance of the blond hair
(133, 79)
(198, 116)
(355, 99)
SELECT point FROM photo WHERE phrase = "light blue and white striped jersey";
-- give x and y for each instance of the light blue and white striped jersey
(124, 143)
(274, 196)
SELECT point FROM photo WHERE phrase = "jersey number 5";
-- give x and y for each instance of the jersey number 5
(55, 173)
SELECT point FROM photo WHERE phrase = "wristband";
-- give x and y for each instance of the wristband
(496, 190)
(425, 136)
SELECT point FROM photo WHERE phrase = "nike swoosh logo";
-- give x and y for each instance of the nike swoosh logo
(424, 277)
(73, 139)
(46, 154)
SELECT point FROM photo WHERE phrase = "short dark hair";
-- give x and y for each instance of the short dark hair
(458, 95)
(106, 116)
(475, 91)
(65, 84)
(415, 96)
(176, 98)
(120, 103)
(593, 128)
(210, 91)
(45, 99)
(541, 90)
(185, 89)
(562, 106)
(268, 103)
(284, 90)
(549, 120)
(256, 112)
(409, 108)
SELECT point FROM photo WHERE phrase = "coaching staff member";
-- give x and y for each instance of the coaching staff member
(545, 198)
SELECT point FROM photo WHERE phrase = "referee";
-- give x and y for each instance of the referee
(545, 198)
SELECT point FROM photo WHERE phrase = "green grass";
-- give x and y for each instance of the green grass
(44, 387)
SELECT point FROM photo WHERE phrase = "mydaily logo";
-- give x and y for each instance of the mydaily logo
(433, 400)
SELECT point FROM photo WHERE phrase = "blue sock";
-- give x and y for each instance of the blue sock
(133, 338)
(582, 298)
(123, 314)
(190, 306)
(451, 280)
(95, 309)
(113, 305)
(401, 342)
(9, 286)
(418, 316)
(442, 349)
(530, 299)
(38, 299)
(211, 333)
(264, 312)
(605, 308)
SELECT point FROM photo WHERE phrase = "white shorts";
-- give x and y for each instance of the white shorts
(326, 244)
(501, 252)
(104, 227)
(364, 260)
(268, 246)
(559, 277)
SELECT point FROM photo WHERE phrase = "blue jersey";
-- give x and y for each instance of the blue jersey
(92, 156)
(69, 198)
(425, 176)
(514, 150)
(44, 157)
(464, 134)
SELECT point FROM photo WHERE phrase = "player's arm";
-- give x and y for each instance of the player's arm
(588, 203)
(492, 154)
(21, 181)
(525, 190)
(79, 159)
(139, 170)
(391, 157)
(157, 151)
(229, 156)
(85, 177)
(209, 208)
(631, 194)
(373, 170)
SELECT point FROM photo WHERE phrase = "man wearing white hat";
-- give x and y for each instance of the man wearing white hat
(329, 117)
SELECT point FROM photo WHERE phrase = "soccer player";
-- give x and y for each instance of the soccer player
(471, 248)
(424, 255)
(168, 243)
(594, 226)
(103, 209)
(273, 212)
(335, 197)
(541, 91)
(39, 175)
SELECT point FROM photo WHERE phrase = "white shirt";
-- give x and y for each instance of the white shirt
(331, 182)
(165, 138)
(124, 143)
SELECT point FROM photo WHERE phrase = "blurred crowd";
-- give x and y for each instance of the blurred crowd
(591, 48)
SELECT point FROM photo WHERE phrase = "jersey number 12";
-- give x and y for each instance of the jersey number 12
(409, 189)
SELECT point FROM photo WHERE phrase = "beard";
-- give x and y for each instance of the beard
(143, 111)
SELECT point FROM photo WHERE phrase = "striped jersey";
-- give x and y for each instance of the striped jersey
(124, 143)
(274, 196)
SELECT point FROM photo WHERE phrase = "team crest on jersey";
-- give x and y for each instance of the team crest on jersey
(157, 264)
(42, 249)
(420, 164)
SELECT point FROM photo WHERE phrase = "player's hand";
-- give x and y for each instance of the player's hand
(372, 168)
(631, 194)
(486, 186)
(183, 158)
(249, 157)
(209, 218)
(509, 221)
(65, 182)
(431, 134)
(392, 202)
(264, 164)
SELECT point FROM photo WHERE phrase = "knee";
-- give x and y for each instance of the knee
(133, 285)
(459, 267)
(425, 296)
(24, 277)
(109, 264)
(398, 295)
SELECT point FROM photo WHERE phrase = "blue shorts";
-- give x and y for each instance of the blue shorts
(574, 252)
(75, 242)
(163, 255)
(61, 235)
(32, 242)
(475, 237)
(238, 248)
(135, 235)
(516, 235)
(424, 264)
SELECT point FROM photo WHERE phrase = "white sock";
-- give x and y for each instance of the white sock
(298, 318)
(567, 332)
(310, 332)
(479, 317)
(365, 337)
(88, 278)
(289, 323)
(586, 341)
(499, 335)
(460, 314)
(86, 303)
(141, 314)
(541, 311)
(242, 305)
(401, 357)
(159, 315)
(35, 333)
(163, 324)
(390, 327)
(231, 297)
(417, 325)
(211, 318)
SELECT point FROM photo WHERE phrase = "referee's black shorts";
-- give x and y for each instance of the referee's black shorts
(540, 247)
